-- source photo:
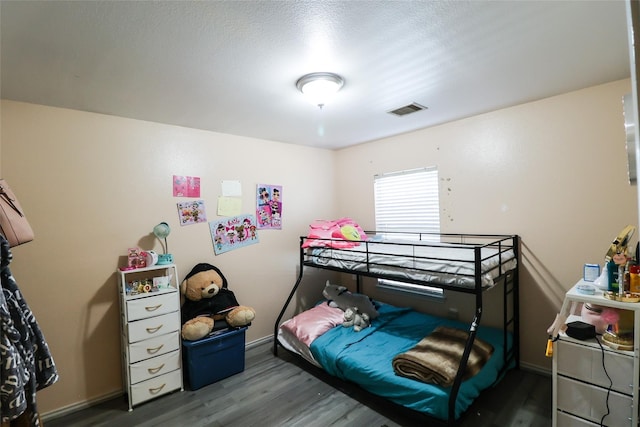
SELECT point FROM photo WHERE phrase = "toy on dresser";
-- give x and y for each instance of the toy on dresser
(598, 316)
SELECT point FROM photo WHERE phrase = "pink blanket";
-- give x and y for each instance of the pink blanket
(341, 233)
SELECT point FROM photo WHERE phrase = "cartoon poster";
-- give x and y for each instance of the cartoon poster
(233, 233)
(191, 212)
(186, 186)
(269, 206)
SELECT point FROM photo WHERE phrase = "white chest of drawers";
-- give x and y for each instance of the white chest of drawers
(582, 386)
(582, 392)
(150, 333)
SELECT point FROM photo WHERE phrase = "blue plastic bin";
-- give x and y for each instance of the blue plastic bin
(214, 358)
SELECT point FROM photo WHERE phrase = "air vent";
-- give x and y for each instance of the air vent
(408, 109)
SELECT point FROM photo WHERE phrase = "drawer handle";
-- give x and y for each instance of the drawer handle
(157, 389)
(155, 370)
(153, 308)
(154, 330)
(154, 350)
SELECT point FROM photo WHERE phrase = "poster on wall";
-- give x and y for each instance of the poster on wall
(191, 212)
(186, 186)
(233, 232)
(269, 206)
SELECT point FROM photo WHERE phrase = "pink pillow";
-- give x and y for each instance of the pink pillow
(310, 324)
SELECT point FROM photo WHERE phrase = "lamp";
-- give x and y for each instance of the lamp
(161, 231)
(320, 87)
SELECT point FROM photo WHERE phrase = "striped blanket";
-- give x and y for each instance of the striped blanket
(436, 358)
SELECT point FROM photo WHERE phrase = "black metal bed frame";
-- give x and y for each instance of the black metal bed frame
(509, 281)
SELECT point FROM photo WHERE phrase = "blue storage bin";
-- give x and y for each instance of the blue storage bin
(214, 358)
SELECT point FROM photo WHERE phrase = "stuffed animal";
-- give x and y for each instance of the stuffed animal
(355, 319)
(599, 316)
(349, 317)
(339, 296)
(362, 321)
(207, 303)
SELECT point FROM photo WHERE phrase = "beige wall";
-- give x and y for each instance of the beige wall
(94, 185)
(553, 171)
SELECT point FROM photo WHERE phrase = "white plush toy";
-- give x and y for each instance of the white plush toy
(362, 321)
(355, 319)
(349, 317)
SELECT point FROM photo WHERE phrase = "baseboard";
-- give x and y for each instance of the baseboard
(535, 368)
(57, 413)
(259, 341)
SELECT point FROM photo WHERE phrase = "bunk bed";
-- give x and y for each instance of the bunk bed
(466, 263)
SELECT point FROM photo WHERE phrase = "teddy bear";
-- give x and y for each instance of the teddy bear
(355, 319)
(208, 304)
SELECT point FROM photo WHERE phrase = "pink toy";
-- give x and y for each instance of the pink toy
(599, 316)
(341, 233)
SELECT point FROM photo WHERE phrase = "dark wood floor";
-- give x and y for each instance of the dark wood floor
(275, 391)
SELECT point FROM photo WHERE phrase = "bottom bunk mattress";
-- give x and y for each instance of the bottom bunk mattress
(366, 357)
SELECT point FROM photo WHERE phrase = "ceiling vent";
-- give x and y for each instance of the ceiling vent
(408, 109)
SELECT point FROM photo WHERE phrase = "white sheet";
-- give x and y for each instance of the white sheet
(293, 344)
(438, 264)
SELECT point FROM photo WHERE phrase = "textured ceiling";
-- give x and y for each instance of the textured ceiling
(231, 66)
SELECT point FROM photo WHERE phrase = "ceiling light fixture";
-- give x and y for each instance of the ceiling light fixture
(320, 87)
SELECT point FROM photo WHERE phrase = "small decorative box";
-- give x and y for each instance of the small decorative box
(591, 272)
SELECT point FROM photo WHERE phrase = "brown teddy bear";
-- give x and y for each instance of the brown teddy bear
(207, 304)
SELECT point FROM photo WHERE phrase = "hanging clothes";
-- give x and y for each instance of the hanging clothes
(26, 364)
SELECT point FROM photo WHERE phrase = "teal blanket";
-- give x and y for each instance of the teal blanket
(365, 358)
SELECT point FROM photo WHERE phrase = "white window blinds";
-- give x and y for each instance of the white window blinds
(408, 201)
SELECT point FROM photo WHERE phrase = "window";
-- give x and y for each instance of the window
(408, 201)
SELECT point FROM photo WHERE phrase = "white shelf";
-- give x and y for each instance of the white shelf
(598, 298)
(591, 342)
(149, 294)
(151, 268)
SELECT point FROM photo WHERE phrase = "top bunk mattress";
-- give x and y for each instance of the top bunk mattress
(432, 263)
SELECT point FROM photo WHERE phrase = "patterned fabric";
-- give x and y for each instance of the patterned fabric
(26, 363)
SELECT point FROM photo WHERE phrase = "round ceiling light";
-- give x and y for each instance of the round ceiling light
(320, 87)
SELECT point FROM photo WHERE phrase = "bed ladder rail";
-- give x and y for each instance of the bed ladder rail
(512, 353)
(289, 298)
(453, 397)
(511, 319)
(514, 279)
